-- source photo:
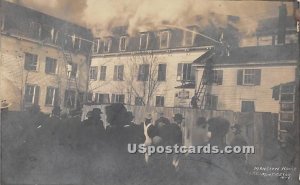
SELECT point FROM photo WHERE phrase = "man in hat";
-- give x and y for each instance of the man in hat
(175, 135)
(162, 119)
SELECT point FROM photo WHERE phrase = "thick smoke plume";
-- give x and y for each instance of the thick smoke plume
(140, 15)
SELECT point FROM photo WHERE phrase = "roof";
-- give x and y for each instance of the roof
(254, 54)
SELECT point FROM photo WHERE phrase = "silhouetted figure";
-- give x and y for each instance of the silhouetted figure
(194, 102)
(56, 111)
(162, 119)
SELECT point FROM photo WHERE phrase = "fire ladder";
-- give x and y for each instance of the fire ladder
(201, 91)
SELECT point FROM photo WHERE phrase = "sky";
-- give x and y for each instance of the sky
(142, 15)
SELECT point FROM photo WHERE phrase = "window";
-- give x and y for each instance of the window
(30, 62)
(73, 73)
(76, 42)
(185, 72)
(118, 98)
(103, 73)
(139, 101)
(211, 102)
(162, 68)
(35, 30)
(287, 106)
(248, 106)
(96, 46)
(217, 77)
(107, 45)
(93, 73)
(188, 38)
(52, 96)
(164, 39)
(102, 98)
(31, 95)
(50, 65)
(70, 96)
(143, 72)
(118, 72)
(160, 101)
(123, 43)
(249, 77)
(144, 40)
(47, 33)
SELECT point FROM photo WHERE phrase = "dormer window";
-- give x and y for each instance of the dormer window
(144, 41)
(107, 45)
(123, 43)
(164, 39)
(76, 41)
(189, 37)
(96, 46)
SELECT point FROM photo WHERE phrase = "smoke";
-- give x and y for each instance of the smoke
(141, 15)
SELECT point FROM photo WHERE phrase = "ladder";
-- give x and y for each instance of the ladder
(201, 91)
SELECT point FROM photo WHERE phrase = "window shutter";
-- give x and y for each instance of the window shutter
(115, 72)
(146, 77)
(121, 72)
(179, 71)
(276, 92)
(220, 77)
(257, 76)
(56, 97)
(240, 77)
(36, 95)
(113, 96)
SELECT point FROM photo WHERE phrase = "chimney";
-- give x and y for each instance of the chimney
(282, 24)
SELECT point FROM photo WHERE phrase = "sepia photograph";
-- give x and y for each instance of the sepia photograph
(149, 92)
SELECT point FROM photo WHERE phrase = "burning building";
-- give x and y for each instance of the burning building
(44, 60)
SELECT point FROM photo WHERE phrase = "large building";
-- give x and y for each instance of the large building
(149, 68)
(44, 60)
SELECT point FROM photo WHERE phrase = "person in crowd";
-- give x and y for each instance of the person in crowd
(199, 132)
(162, 119)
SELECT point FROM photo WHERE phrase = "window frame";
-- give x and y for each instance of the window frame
(93, 73)
(141, 41)
(117, 73)
(66, 101)
(52, 60)
(27, 65)
(186, 75)
(35, 93)
(159, 101)
(248, 101)
(164, 77)
(193, 35)
(104, 96)
(217, 77)
(102, 73)
(213, 102)
(115, 98)
(97, 43)
(167, 39)
(107, 44)
(125, 38)
(143, 74)
(54, 96)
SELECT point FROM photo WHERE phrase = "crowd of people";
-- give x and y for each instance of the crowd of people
(180, 168)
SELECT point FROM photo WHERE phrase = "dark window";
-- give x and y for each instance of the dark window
(76, 42)
(31, 95)
(143, 72)
(144, 41)
(160, 101)
(211, 102)
(188, 38)
(30, 63)
(93, 73)
(164, 39)
(123, 43)
(35, 30)
(162, 68)
(103, 73)
(74, 71)
(217, 77)
(52, 96)
(96, 46)
(248, 106)
(139, 101)
(249, 77)
(47, 33)
(50, 65)
(107, 45)
(118, 98)
(70, 96)
(185, 72)
(102, 98)
(118, 72)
